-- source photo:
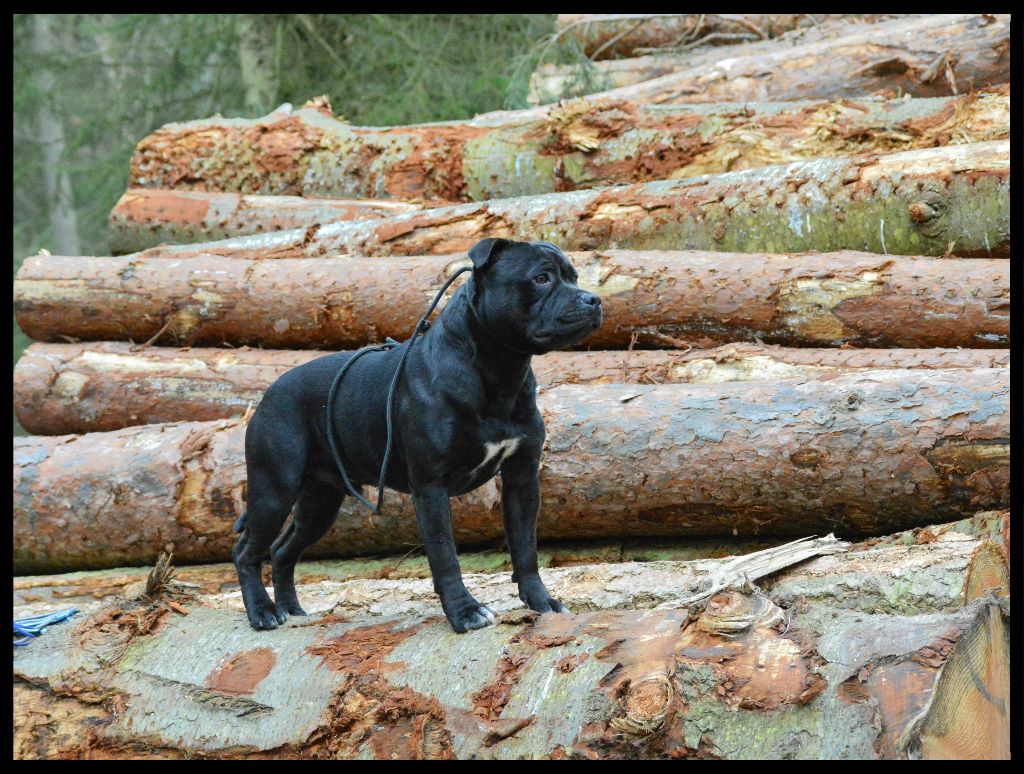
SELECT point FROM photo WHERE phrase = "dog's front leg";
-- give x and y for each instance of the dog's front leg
(520, 503)
(434, 515)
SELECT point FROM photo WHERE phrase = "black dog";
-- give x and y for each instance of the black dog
(464, 408)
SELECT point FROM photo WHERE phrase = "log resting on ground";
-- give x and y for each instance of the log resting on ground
(328, 588)
(930, 55)
(650, 299)
(813, 671)
(858, 453)
(911, 203)
(143, 218)
(578, 144)
(82, 388)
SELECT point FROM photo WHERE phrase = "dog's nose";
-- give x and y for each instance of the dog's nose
(590, 299)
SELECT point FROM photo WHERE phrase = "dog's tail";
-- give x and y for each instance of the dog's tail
(240, 523)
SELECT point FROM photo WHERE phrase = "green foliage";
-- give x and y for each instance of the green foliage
(111, 79)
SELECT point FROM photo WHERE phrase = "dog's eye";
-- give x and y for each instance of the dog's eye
(543, 278)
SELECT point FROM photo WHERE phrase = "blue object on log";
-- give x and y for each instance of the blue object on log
(30, 628)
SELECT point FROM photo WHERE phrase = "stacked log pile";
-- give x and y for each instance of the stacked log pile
(806, 332)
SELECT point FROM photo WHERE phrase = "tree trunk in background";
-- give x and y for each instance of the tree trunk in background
(63, 230)
(650, 298)
(582, 144)
(859, 453)
(926, 56)
(737, 677)
(144, 218)
(912, 203)
(85, 388)
(255, 59)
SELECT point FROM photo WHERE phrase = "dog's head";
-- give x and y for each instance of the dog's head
(526, 295)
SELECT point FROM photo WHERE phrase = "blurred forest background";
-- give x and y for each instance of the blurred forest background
(88, 87)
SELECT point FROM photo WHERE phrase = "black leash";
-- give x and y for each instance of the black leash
(421, 327)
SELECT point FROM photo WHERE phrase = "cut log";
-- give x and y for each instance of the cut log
(650, 299)
(911, 203)
(143, 218)
(88, 589)
(737, 677)
(924, 56)
(613, 35)
(551, 82)
(579, 144)
(84, 388)
(858, 453)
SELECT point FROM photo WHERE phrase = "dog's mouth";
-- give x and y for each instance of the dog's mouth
(570, 331)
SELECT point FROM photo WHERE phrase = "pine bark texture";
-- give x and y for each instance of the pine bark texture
(834, 675)
(145, 218)
(857, 453)
(650, 298)
(85, 388)
(579, 144)
(910, 203)
(925, 56)
(612, 35)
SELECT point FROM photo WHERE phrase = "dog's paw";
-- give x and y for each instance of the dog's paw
(266, 615)
(469, 614)
(292, 608)
(537, 598)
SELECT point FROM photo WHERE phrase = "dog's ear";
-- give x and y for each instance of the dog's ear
(484, 251)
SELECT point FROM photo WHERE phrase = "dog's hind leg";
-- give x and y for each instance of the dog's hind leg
(274, 480)
(314, 514)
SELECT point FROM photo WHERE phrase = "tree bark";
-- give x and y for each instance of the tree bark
(858, 453)
(581, 144)
(926, 56)
(649, 298)
(145, 218)
(613, 35)
(86, 388)
(737, 677)
(911, 203)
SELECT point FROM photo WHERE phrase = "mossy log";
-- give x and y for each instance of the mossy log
(578, 144)
(613, 35)
(650, 299)
(143, 218)
(814, 671)
(858, 453)
(922, 202)
(87, 388)
(928, 55)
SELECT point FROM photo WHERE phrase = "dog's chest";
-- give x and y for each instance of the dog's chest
(495, 453)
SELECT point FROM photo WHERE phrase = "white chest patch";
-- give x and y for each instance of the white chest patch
(502, 450)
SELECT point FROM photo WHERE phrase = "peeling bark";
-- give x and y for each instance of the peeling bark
(925, 56)
(578, 144)
(911, 203)
(613, 35)
(857, 453)
(85, 388)
(650, 299)
(143, 218)
(738, 677)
